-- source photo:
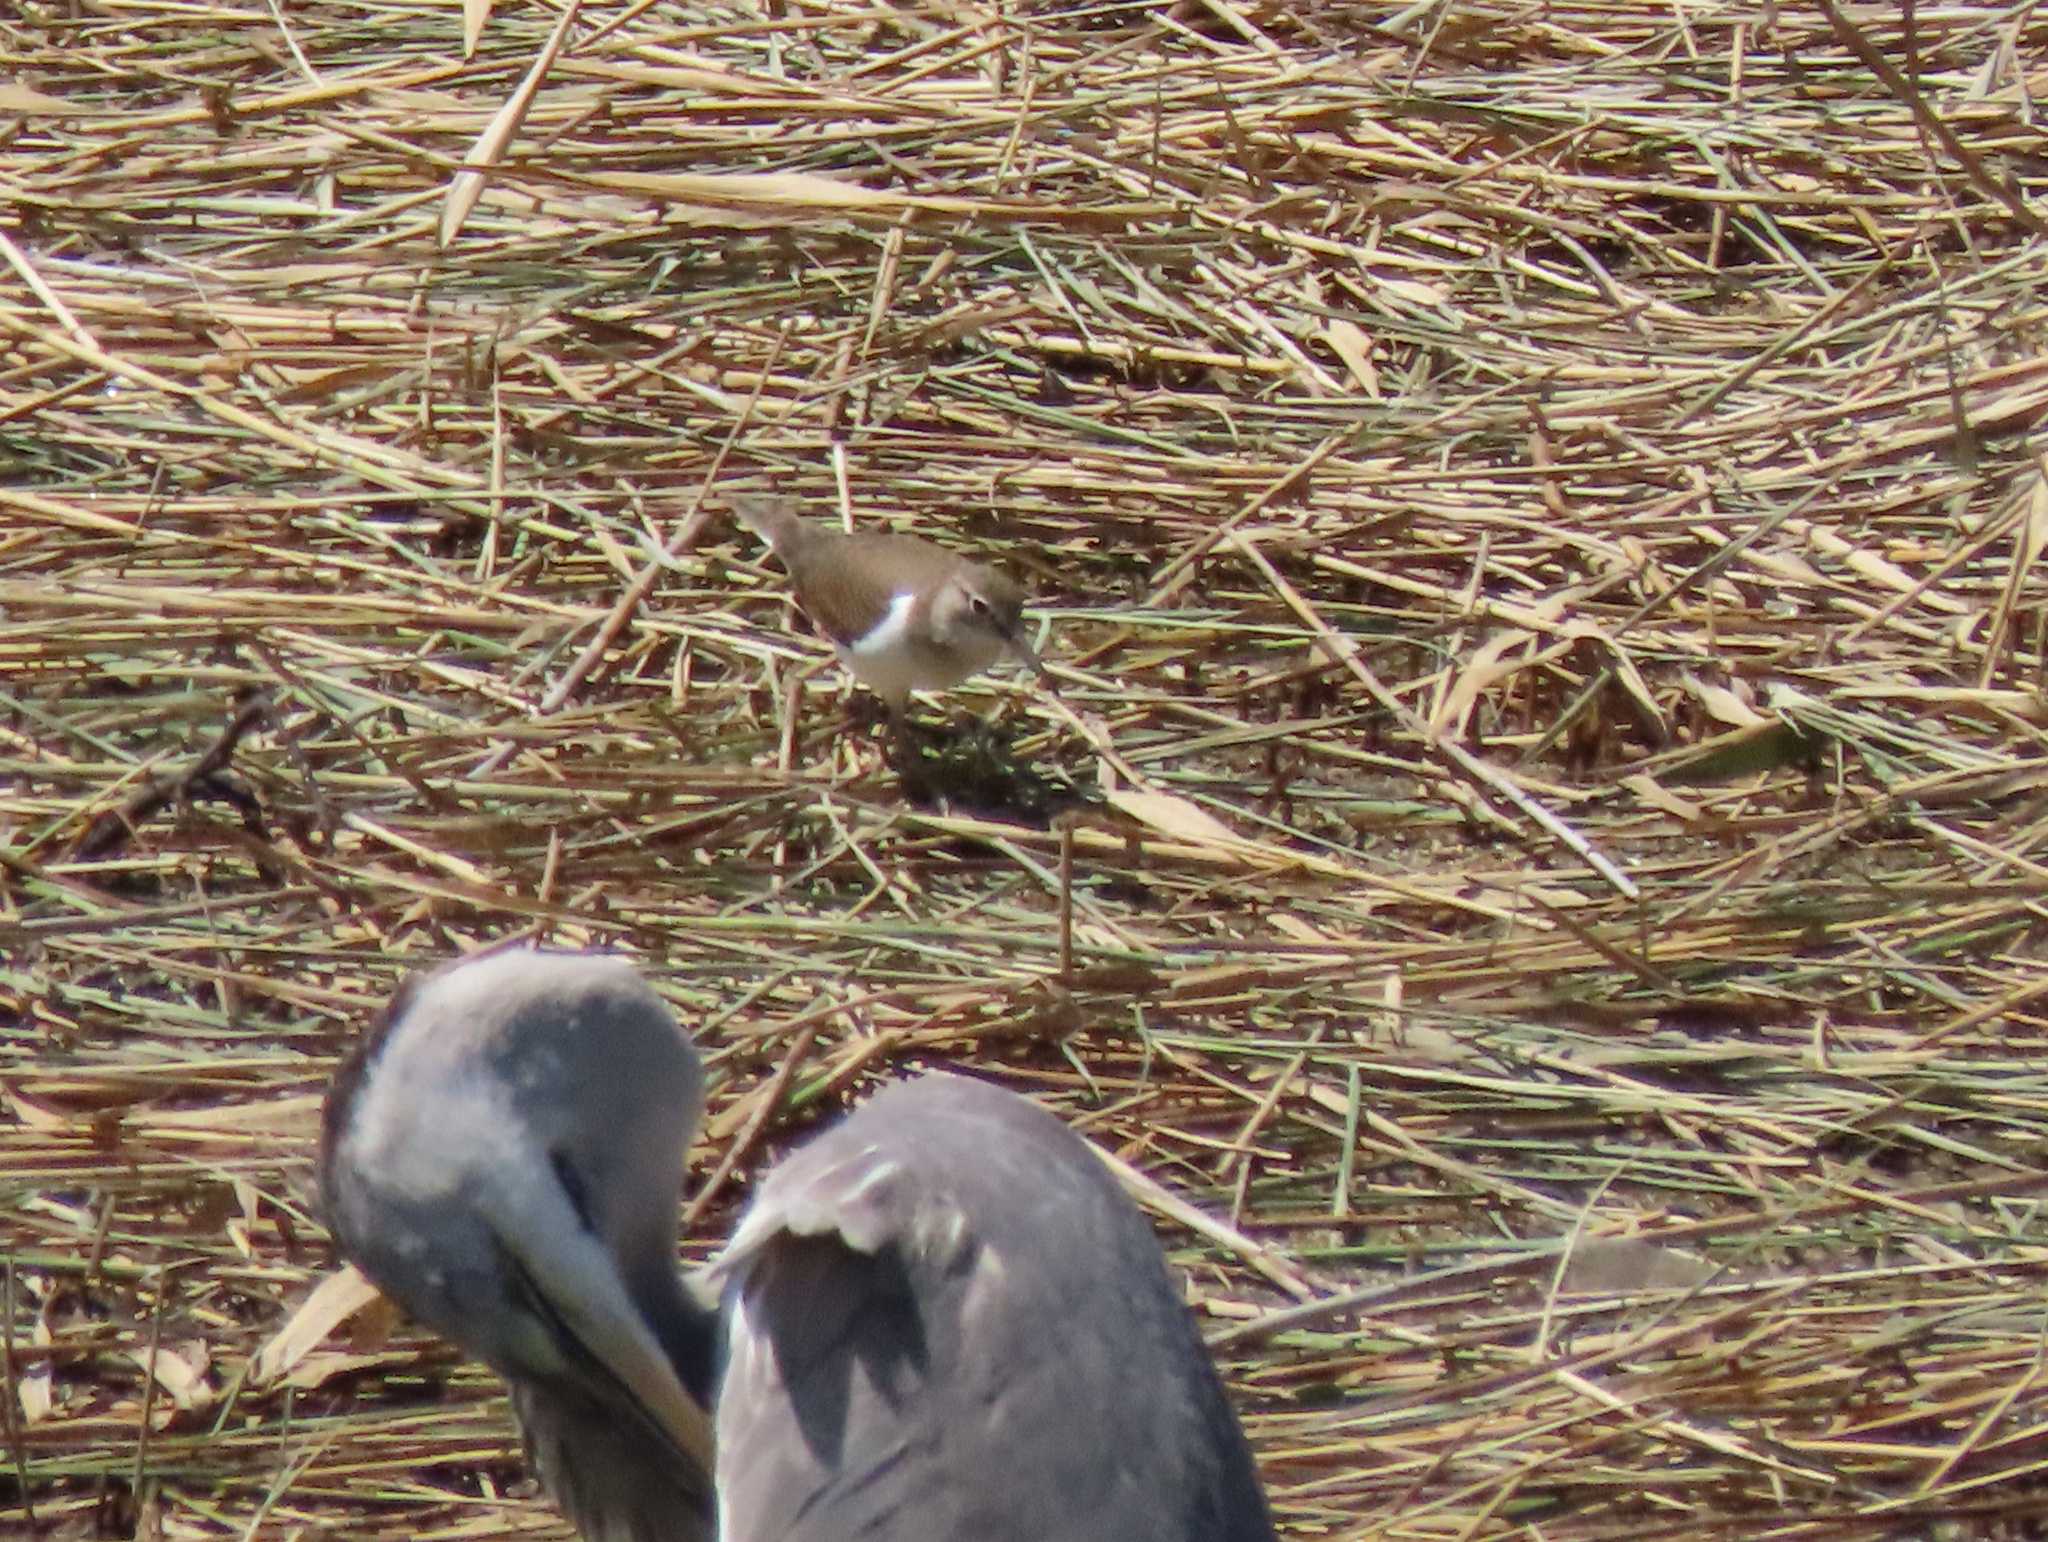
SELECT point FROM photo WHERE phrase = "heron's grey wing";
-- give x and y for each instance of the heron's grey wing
(945, 1321)
(824, 1351)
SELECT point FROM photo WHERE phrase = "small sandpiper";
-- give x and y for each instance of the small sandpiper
(902, 613)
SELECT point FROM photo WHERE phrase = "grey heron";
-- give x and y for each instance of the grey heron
(939, 1319)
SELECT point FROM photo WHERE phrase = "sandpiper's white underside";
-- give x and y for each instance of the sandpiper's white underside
(892, 660)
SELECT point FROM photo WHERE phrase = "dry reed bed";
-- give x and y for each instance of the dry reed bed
(1540, 511)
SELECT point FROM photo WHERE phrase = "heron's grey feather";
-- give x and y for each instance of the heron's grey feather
(947, 1321)
(615, 1480)
(864, 1197)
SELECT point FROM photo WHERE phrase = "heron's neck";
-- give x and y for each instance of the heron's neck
(686, 1330)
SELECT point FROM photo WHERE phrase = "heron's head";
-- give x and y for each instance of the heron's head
(503, 1158)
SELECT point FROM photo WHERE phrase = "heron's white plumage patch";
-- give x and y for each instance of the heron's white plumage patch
(747, 1371)
(864, 1200)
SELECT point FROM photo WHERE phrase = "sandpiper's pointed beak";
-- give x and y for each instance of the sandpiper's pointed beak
(1021, 646)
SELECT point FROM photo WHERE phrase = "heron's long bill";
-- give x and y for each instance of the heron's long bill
(582, 1295)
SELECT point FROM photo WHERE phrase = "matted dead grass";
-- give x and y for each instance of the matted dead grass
(1538, 520)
